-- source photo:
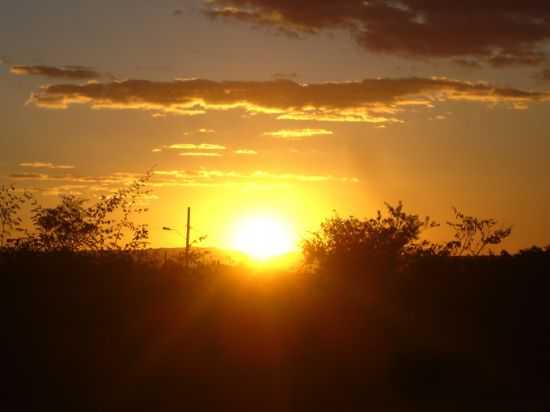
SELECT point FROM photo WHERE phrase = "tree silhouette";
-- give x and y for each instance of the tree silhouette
(380, 240)
(473, 235)
(11, 203)
(107, 225)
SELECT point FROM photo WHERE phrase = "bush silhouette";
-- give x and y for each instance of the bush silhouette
(473, 235)
(382, 240)
(75, 226)
(106, 331)
(11, 203)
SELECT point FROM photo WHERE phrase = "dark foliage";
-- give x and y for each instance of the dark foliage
(74, 225)
(473, 235)
(117, 332)
(126, 330)
(391, 239)
(380, 240)
(11, 203)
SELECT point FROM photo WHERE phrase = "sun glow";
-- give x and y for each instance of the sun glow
(263, 237)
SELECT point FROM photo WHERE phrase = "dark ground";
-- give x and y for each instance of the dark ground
(445, 334)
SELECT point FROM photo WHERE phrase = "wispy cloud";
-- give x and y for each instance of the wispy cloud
(45, 165)
(75, 190)
(118, 178)
(62, 72)
(215, 175)
(54, 185)
(200, 154)
(298, 133)
(282, 76)
(29, 176)
(58, 184)
(200, 131)
(245, 152)
(191, 146)
(371, 100)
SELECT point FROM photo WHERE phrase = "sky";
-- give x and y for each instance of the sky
(292, 109)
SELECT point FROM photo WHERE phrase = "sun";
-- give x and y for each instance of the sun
(263, 237)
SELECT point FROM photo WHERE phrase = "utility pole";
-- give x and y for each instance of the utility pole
(188, 229)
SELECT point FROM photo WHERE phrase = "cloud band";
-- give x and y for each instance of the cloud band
(370, 100)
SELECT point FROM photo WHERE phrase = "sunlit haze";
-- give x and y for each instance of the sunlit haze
(263, 237)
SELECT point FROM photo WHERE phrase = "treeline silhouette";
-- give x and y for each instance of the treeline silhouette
(377, 319)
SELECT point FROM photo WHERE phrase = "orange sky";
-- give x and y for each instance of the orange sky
(282, 108)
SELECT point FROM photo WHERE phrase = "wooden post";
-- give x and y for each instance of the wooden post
(188, 229)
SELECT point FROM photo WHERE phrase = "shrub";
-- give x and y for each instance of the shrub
(378, 241)
(72, 226)
(11, 203)
(473, 235)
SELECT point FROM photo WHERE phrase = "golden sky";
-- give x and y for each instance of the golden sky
(290, 109)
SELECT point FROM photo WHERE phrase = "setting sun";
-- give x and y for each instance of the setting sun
(263, 237)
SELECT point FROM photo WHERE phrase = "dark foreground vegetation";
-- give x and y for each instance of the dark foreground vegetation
(115, 334)
(377, 320)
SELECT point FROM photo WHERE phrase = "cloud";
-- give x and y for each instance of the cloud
(497, 32)
(544, 75)
(75, 190)
(215, 176)
(468, 63)
(245, 152)
(200, 131)
(55, 185)
(63, 72)
(284, 76)
(290, 176)
(191, 146)
(119, 178)
(378, 100)
(45, 165)
(298, 133)
(29, 176)
(200, 154)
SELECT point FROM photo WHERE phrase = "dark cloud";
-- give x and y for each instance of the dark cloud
(63, 72)
(282, 76)
(468, 63)
(499, 32)
(545, 75)
(370, 100)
